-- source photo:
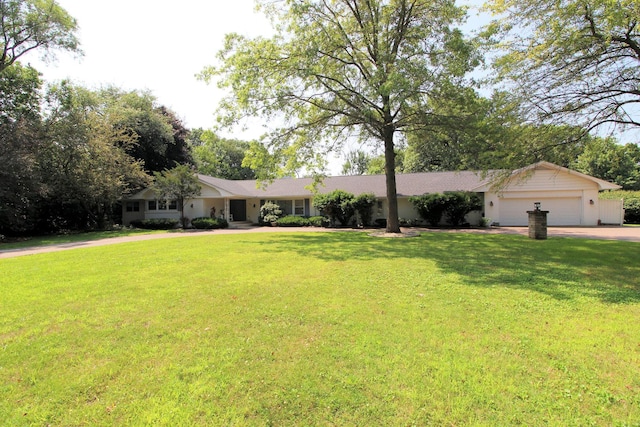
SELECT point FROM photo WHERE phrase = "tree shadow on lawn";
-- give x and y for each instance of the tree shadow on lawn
(562, 268)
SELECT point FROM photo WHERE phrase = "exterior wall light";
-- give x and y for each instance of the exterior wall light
(591, 202)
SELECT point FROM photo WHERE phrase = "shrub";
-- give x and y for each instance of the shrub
(430, 207)
(455, 205)
(337, 205)
(293, 221)
(460, 203)
(318, 221)
(363, 204)
(270, 212)
(156, 223)
(206, 223)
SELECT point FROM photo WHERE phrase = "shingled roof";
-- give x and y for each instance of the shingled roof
(412, 184)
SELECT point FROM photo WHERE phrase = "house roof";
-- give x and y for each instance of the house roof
(413, 184)
(407, 185)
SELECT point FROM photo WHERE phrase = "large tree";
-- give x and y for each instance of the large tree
(605, 158)
(338, 69)
(160, 137)
(220, 157)
(577, 61)
(82, 161)
(28, 25)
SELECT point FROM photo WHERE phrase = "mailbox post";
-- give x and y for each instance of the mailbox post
(537, 223)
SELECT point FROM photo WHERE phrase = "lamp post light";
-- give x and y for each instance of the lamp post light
(536, 205)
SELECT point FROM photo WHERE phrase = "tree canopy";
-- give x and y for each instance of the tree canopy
(573, 60)
(220, 157)
(28, 25)
(338, 70)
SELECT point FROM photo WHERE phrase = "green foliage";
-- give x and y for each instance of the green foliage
(430, 207)
(343, 329)
(219, 157)
(471, 132)
(460, 203)
(155, 223)
(179, 183)
(301, 221)
(576, 61)
(205, 223)
(338, 70)
(604, 158)
(28, 25)
(270, 213)
(160, 137)
(363, 205)
(455, 204)
(631, 203)
(20, 143)
(337, 205)
(356, 163)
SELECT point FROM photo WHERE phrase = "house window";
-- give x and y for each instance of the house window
(132, 206)
(162, 205)
(298, 207)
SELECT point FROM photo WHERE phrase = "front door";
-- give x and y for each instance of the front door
(238, 210)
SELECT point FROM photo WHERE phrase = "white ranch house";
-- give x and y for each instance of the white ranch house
(570, 197)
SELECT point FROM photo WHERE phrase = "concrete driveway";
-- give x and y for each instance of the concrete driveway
(631, 234)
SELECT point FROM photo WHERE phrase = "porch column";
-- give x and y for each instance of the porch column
(227, 214)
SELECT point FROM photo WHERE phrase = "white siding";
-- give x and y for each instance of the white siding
(611, 212)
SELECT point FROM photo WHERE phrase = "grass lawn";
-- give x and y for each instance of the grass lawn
(337, 329)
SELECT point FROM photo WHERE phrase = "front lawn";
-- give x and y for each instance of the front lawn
(324, 329)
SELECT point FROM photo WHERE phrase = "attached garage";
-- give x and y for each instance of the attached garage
(562, 211)
(570, 197)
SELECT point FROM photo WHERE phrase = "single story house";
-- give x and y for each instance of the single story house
(570, 196)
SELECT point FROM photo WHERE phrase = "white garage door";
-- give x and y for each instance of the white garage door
(562, 211)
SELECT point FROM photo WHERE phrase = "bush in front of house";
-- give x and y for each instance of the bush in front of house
(293, 221)
(156, 223)
(459, 204)
(318, 221)
(206, 223)
(363, 204)
(455, 204)
(270, 213)
(337, 205)
(430, 207)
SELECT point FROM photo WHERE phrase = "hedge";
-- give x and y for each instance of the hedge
(206, 223)
(155, 224)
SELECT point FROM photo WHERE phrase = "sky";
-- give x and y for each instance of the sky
(155, 45)
(160, 46)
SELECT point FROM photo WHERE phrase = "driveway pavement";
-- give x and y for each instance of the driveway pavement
(631, 234)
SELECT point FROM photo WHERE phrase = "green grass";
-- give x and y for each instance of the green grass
(324, 329)
(55, 239)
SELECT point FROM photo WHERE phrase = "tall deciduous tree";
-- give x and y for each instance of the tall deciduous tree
(573, 60)
(82, 160)
(27, 25)
(342, 68)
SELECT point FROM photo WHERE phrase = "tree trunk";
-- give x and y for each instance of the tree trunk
(393, 223)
